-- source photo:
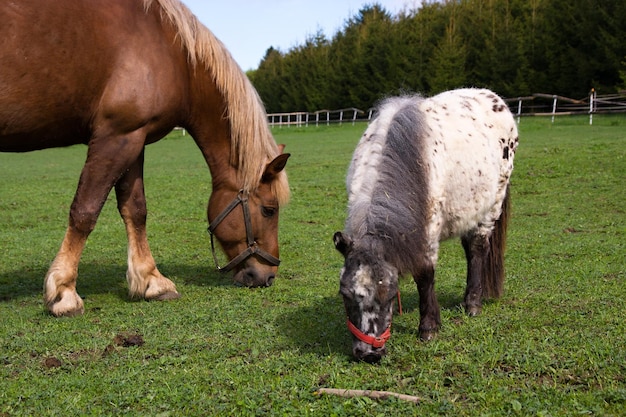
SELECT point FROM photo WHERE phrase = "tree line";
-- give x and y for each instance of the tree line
(515, 47)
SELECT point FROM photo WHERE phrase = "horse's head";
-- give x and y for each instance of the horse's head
(368, 285)
(246, 226)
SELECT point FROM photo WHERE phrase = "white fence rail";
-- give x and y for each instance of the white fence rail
(326, 117)
(535, 105)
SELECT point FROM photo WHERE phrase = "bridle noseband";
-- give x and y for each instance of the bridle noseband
(253, 248)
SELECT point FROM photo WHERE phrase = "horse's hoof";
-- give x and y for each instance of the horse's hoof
(67, 313)
(170, 295)
(68, 305)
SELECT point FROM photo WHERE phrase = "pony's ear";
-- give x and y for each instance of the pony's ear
(273, 168)
(342, 243)
(281, 147)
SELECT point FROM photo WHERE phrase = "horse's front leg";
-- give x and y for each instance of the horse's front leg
(430, 318)
(144, 279)
(107, 159)
(60, 294)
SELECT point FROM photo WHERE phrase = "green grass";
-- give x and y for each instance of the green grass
(554, 345)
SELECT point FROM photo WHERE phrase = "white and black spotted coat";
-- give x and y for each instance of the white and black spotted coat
(462, 142)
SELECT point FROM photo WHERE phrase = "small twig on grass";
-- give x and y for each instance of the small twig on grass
(377, 395)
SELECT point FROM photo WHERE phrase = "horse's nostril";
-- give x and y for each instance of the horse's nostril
(252, 278)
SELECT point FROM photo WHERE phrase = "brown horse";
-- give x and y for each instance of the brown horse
(118, 75)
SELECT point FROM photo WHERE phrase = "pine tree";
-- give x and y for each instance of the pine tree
(448, 62)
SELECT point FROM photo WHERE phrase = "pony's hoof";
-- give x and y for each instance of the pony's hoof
(170, 295)
(473, 311)
(428, 335)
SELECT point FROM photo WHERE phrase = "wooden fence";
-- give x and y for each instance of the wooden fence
(555, 105)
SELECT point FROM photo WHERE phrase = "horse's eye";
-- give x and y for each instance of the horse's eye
(268, 211)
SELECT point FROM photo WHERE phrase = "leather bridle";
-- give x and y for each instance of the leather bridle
(253, 248)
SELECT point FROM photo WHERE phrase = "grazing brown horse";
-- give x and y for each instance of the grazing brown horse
(118, 75)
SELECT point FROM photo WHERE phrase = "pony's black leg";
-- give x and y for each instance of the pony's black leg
(476, 249)
(430, 319)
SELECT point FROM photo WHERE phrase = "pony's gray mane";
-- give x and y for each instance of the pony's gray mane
(396, 217)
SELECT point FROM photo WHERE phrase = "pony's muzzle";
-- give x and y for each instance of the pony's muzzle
(366, 353)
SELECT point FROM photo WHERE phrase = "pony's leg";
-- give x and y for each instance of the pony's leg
(107, 159)
(476, 248)
(430, 319)
(144, 279)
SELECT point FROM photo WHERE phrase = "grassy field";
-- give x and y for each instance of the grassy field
(554, 345)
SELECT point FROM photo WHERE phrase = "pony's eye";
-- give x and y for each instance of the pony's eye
(268, 211)
(346, 292)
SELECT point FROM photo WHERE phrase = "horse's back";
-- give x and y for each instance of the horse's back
(71, 67)
(471, 138)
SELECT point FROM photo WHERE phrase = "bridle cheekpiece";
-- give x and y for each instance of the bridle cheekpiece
(253, 248)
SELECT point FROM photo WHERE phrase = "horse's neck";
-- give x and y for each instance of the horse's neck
(210, 129)
(230, 126)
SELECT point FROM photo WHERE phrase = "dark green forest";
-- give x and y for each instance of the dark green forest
(515, 47)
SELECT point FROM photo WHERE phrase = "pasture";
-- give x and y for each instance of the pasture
(553, 345)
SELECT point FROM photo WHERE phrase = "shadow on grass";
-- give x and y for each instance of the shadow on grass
(320, 327)
(96, 278)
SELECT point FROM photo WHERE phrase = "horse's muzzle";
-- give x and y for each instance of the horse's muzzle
(252, 278)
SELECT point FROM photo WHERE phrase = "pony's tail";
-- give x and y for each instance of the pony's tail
(493, 271)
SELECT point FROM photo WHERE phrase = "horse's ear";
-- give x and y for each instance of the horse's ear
(281, 147)
(342, 243)
(273, 168)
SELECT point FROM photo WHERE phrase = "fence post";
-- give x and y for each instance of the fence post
(553, 107)
(519, 110)
(591, 97)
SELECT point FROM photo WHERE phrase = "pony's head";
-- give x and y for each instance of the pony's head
(368, 285)
(246, 225)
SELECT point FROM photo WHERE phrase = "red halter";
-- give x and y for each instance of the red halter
(376, 342)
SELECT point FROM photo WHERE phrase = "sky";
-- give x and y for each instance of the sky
(249, 27)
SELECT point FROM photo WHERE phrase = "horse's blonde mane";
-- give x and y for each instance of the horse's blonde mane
(252, 144)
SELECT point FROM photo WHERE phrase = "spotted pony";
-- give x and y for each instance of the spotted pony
(425, 170)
